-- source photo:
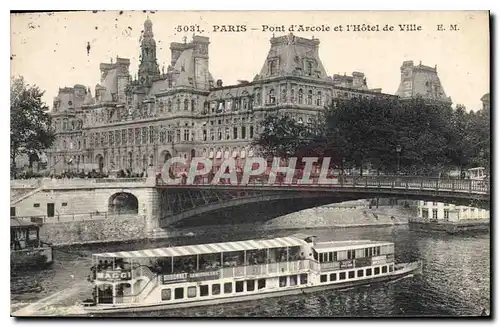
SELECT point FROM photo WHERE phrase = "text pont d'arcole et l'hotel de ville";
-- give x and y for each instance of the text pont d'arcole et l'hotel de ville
(293, 28)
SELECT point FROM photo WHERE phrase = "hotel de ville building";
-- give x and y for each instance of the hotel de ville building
(135, 123)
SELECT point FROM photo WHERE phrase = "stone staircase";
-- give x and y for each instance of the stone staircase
(23, 196)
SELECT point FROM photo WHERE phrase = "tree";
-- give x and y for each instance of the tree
(283, 136)
(30, 123)
(425, 137)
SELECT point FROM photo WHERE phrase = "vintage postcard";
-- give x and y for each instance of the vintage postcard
(250, 164)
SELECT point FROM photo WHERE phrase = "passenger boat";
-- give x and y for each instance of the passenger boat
(26, 248)
(208, 274)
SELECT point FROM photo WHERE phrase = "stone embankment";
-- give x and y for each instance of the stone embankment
(129, 228)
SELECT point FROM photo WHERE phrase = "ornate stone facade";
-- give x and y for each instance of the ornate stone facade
(421, 81)
(135, 123)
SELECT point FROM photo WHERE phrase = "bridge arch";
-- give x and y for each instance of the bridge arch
(123, 203)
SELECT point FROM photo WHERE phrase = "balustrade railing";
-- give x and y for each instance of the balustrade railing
(385, 182)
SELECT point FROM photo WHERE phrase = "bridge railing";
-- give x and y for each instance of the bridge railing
(386, 182)
(61, 218)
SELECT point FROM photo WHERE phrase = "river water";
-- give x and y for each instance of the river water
(455, 279)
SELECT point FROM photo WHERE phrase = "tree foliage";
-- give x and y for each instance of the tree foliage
(358, 132)
(30, 129)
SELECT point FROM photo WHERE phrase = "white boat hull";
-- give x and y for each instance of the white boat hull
(402, 270)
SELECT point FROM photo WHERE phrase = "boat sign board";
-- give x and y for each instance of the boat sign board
(346, 264)
(114, 275)
(363, 262)
(380, 260)
(193, 277)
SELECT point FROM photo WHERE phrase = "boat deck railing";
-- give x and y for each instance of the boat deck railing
(265, 269)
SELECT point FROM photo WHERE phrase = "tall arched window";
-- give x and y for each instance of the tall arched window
(292, 95)
(272, 98)
(283, 95)
(272, 67)
(169, 106)
(309, 68)
(186, 104)
(178, 105)
(319, 100)
(301, 96)
(310, 97)
(193, 104)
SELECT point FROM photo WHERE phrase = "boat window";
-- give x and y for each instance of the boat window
(366, 252)
(384, 269)
(330, 255)
(166, 294)
(351, 274)
(368, 271)
(303, 278)
(203, 290)
(261, 283)
(351, 254)
(342, 275)
(293, 280)
(335, 256)
(250, 285)
(378, 250)
(185, 264)
(391, 268)
(342, 255)
(209, 261)
(215, 289)
(315, 254)
(282, 281)
(256, 257)
(239, 286)
(228, 288)
(333, 277)
(233, 259)
(324, 278)
(179, 293)
(360, 272)
(191, 291)
(376, 270)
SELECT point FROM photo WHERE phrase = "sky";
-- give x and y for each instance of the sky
(50, 49)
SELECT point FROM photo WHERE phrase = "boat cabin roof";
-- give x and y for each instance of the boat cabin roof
(16, 223)
(346, 245)
(177, 251)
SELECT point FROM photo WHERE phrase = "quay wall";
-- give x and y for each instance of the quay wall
(451, 227)
(112, 229)
(130, 227)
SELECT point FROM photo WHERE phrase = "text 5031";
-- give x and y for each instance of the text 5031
(189, 28)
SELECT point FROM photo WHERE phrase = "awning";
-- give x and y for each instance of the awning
(207, 248)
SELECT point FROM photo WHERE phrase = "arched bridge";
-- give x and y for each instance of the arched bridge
(260, 200)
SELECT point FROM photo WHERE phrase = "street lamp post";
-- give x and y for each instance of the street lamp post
(398, 151)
